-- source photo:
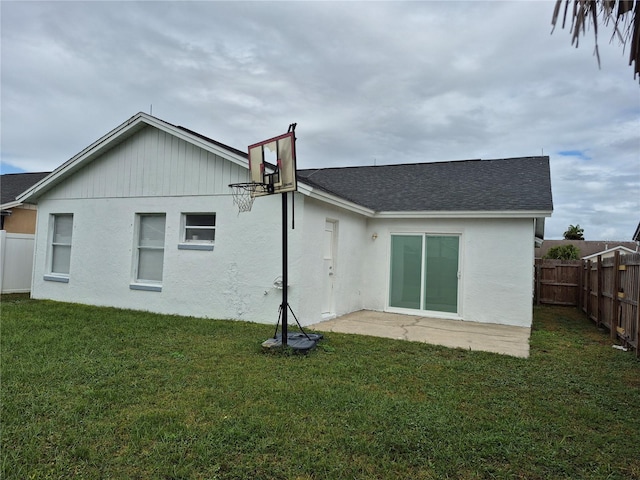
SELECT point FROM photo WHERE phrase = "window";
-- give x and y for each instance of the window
(149, 253)
(424, 272)
(60, 253)
(198, 231)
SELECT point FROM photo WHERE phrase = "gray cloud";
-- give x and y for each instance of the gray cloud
(383, 82)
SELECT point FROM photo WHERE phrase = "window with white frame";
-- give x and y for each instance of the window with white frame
(60, 247)
(149, 255)
(198, 231)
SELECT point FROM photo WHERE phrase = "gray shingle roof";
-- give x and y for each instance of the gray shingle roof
(510, 184)
(13, 184)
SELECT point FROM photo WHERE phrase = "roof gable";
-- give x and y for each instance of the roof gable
(120, 134)
(515, 184)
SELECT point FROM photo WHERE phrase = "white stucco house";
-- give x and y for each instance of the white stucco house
(143, 219)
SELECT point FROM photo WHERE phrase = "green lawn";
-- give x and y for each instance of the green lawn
(95, 393)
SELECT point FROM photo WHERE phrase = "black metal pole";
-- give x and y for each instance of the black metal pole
(285, 273)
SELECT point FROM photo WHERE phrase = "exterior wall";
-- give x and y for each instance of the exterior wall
(496, 267)
(21, 220)
(308, 260)
(153, 172)
(235, 280)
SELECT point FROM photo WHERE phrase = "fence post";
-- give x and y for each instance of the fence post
(580, 285)
(615, 308)
(638, 322)
(599, 297)
(3, 247)
(588, 289)
(637, 295)
(536, 266)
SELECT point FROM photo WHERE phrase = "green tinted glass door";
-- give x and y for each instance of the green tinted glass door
(441, 274)
(406, 271)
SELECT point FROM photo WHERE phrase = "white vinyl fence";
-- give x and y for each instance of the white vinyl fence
(16, 262)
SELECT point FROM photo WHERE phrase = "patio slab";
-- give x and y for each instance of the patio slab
(487, 337)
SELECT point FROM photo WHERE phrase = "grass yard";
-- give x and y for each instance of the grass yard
(95, 393)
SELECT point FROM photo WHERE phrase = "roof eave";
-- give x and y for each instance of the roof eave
(620, 248)
(466, 214)
(333, 199)
(7, 205)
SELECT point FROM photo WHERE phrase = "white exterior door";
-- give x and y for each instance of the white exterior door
(328, 268)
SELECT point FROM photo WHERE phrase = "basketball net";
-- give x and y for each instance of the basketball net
(244, 194)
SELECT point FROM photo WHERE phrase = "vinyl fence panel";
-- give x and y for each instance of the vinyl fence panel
(16, 262)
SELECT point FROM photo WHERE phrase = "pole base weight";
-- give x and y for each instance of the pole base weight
(297, 341)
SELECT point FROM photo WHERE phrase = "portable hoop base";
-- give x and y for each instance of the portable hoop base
(301, 342)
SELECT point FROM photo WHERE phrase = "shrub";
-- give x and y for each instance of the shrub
(563, 252)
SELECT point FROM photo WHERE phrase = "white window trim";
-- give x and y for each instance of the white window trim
(52, 276)
(144, 284)
(185, 244)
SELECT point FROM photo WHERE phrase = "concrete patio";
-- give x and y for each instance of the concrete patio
(503, 339)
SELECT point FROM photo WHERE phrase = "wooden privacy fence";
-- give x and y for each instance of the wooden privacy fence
(607, 290)
(557, 282)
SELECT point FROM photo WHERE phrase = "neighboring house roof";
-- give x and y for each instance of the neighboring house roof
(512, 184)
(13, 184)
(605, 253)
(586, 247)
(636, 235)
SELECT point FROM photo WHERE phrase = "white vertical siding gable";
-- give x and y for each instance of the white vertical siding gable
(152, 163)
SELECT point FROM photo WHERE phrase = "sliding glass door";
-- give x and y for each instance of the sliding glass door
(424, 272)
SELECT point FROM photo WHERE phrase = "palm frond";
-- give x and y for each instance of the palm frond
(624, 15)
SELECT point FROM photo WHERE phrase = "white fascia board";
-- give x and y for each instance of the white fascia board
(121, 132)
(620, 248)
(8, 205)
(334, 200)
(465, 214)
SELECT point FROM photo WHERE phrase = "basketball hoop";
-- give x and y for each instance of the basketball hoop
(244, 194)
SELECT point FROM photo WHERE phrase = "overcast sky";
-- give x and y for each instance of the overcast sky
(367, 83)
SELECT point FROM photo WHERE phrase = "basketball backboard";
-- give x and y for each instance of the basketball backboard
(273, 162)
